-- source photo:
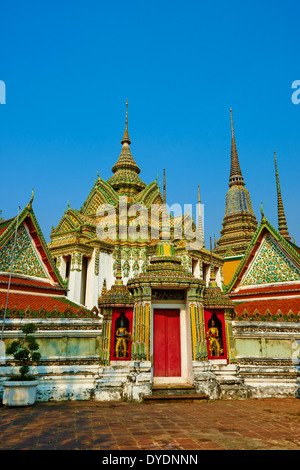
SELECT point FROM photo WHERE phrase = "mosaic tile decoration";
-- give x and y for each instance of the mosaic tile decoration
(238, 200)
(26, 260)
(270, 265)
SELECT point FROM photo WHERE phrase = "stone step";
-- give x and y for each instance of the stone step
(175, 398)
(173, 389)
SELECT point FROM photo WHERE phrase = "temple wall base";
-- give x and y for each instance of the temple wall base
(128, 380)
(59, 382)
(238, 382)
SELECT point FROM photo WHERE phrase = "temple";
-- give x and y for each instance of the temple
(86, 242)
(131, 305)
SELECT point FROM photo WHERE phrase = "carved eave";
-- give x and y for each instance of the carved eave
(101, 245)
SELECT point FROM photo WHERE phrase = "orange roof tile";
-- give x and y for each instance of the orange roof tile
(22, 301)
(273, 305)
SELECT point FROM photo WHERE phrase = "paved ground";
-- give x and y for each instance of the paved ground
(267, 424)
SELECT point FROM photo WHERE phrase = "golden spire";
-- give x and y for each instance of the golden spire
(126, 135)
(282, 225)
(164, 186)
(236, 176)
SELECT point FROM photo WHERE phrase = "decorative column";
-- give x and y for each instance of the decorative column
(75, 277)
(197, 328)
(141, 344)
(106, 337)
(229, 336)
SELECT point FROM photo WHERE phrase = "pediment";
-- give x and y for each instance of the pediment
(270, 264)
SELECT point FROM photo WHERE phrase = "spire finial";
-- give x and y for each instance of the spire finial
(236, 177)
(232, 128)
(282, 225)
(126, 135)
(164, 186)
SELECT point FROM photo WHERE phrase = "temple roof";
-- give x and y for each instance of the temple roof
(269, 310)
(30, 284)
(33, 258)
(31, 305)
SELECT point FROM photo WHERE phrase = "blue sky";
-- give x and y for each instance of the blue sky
(70, 65)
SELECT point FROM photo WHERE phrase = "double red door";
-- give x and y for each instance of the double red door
(166, 342)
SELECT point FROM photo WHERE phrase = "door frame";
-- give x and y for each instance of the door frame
(185, 345)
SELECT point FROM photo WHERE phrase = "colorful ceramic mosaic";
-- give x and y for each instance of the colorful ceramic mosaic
(25, 259)
(271, 265)
(238, 200)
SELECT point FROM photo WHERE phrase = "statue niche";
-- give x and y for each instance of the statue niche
(214, 336)
(122, 337)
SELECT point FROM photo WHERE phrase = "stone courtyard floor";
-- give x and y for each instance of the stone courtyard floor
(256, 424)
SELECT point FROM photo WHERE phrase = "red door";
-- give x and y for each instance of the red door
(167, 356)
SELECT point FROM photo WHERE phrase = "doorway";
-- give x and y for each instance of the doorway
(166, 342)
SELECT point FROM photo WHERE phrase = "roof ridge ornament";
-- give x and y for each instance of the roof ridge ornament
(262, 211)
(31, 200)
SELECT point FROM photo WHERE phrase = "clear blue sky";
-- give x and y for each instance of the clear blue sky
(69, 66)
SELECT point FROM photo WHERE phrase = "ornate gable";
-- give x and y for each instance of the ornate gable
(271, 264)
(269, 258)
(31, 256)
(101, 193)
(66, 225)
(25, 258)
(150, 195)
